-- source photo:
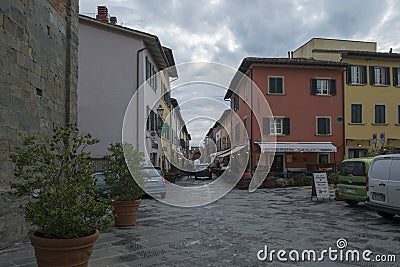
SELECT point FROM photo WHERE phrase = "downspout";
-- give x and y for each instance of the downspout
(251, 121)
(343, 112)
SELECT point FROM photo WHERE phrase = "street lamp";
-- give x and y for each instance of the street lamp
(160, 111)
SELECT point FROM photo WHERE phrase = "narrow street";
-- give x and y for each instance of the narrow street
(231, 231)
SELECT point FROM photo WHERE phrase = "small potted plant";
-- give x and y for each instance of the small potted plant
(62, 204)
(123, 178)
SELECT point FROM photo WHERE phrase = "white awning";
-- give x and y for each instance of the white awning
(216, 154)
(297, 147)
(233, 151)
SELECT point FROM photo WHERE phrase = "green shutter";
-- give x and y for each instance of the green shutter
(364, 74)
(371, 75)
(266, 126)
(313, 86)
(395, 80)
(332, 87)
(348, 75)
(271, 84)
(286, 126)
(387, 73)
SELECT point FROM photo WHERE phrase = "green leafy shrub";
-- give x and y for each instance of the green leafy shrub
(333, 178)
(125, 187)
(56, 173)
(280, 182)
(308, 180)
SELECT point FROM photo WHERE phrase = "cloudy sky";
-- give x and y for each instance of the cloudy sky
(226, 31)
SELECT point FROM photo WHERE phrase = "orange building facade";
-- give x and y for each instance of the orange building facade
(306, 101)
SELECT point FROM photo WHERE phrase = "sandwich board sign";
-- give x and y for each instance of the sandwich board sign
(320, 187)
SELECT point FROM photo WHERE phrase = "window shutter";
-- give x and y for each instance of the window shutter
(348, 75)
(372, 75)
(332, 88)
(387, 73)
(286, 126)
(147, 68)
(271, 84)
(313, 86)
(364, 74)
(321, 126)
(395, 80)
(266, 126)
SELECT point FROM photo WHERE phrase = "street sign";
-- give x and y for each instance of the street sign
(382, 138)
(320, 186)
(374, 137)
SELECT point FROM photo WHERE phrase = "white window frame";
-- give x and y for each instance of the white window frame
(356, 77)
(379, 75)
(283, 85)
(330, 125)
(273, 125)
(323, 90)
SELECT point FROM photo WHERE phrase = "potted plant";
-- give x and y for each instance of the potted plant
(62, 203)
(125, 172)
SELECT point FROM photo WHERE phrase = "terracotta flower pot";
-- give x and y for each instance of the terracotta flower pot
(63, 252)
(125, 212)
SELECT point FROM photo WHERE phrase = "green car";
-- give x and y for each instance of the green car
(353, 180)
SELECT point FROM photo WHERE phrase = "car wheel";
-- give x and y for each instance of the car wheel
(351, 202)
(163, 195)
(385, 215)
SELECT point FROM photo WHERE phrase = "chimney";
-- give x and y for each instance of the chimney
(288, 54)
(102, 13)
(113, 20)
(291, 54)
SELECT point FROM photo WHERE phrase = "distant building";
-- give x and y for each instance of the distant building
(113, 62)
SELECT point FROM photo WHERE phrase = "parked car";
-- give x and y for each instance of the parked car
(154, 182)
(352, 183)
(102, 187)
(384, 185)
(203, 171)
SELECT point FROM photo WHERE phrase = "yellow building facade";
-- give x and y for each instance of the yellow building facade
(372, 102)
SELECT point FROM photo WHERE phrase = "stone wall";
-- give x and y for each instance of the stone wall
(38, 80)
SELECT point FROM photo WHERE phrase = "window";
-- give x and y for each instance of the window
(379, 75)
(357, 75)
(398, 114)
(323, 158)
(357, 153)
(396, 76)
(153, 158)
(356, 113)
(275, 85)
(380, 116)
(323, 126)
(151, 76)
(245, 89)
(235, 102)
(237, 132)
(323, 87)
(276, 126)
(245, 127)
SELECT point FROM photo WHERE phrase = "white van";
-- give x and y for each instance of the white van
(384, 185)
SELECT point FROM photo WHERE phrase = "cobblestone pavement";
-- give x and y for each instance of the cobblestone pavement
(232, 230)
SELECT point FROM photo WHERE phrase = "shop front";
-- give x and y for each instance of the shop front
(287, 157)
